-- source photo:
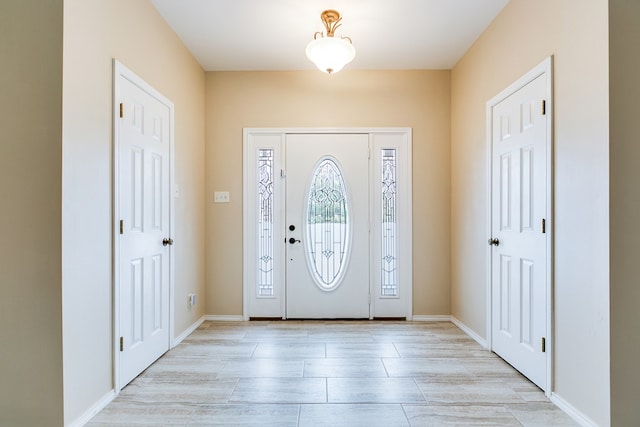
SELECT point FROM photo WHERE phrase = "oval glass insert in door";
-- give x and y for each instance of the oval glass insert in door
(328, 225)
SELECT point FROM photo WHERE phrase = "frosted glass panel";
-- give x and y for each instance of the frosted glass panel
(265, 222)
(389, 273)
(327, 224)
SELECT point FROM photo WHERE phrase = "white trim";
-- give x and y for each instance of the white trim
(488, 224)
(177, 340)
(119, 70)
(116, 221)
(577, 416)
(545, 67)
(550, 110)
(224, 318)
(467, 330)
(431, 318)
(328, 130)
(94, 409)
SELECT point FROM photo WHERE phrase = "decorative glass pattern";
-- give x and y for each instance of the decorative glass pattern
(328, 224)
(265, 222)
(389, 270)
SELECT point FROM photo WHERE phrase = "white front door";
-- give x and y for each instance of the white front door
(327, 226)
(143, 192)
(351, 253)
(519, 238)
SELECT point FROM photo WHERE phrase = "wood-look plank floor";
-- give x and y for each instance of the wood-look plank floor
(330, 373)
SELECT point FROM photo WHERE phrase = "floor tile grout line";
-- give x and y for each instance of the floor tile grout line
(385, 367)
(255, 348)
(326, 390)
(404, 411)
(396, 349)
(424, 395)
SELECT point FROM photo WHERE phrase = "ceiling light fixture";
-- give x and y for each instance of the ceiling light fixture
(330, 53)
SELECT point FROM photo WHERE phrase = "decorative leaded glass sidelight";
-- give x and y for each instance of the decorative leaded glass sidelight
(328, 225)
(265, 222)
(389, 270)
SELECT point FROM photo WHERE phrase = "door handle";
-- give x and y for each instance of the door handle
(167, 241)
(494, 242)
(292, 240)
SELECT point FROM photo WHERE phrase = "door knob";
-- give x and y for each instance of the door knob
(292, 240)
(494, 242)
(167, 241)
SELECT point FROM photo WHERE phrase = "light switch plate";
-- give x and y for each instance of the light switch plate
(221, 197)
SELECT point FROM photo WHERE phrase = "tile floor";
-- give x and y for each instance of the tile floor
(330, 373)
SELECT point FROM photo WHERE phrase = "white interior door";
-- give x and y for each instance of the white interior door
(327, 226)
(519, 238)
(142, 175)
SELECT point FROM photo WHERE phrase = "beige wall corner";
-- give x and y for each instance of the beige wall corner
(416, 99)
(31, 393)
(624, 69)
(575, 33)
(134, 33)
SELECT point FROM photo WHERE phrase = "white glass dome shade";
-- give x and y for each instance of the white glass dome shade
(330, 54)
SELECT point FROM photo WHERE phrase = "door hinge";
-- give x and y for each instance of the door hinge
(283, 173)
(121, 110)
(122, 226)
(121, 343)
(544, 226)
(544, 345)
(544, 107)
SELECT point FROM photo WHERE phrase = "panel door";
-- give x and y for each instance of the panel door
(519, 275)
(143, 181)
(327, 226)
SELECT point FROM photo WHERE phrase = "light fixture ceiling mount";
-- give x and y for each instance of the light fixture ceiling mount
(330, 19)
(329, 53)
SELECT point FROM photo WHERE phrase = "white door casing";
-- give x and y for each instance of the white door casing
(390, 244)
(328, 262)
(143, 127)
(520, 225)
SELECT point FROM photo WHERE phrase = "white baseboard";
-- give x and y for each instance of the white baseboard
(93, 410)
(177, 340)
(228, 318)
(432, 318)
(467, 330)
(577, 416)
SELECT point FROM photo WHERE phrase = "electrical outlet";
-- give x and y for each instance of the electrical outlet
(221, 197)
(191, 300)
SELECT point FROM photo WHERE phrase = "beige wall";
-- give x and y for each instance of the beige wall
(624, 93)
(575, 32)
(30, 193)
(416, 99)
(133, 32)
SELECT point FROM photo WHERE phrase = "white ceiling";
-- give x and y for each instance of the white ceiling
(272, 34)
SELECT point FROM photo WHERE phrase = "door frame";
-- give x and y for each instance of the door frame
(119, 70)
(544, 67)
(378, 137)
